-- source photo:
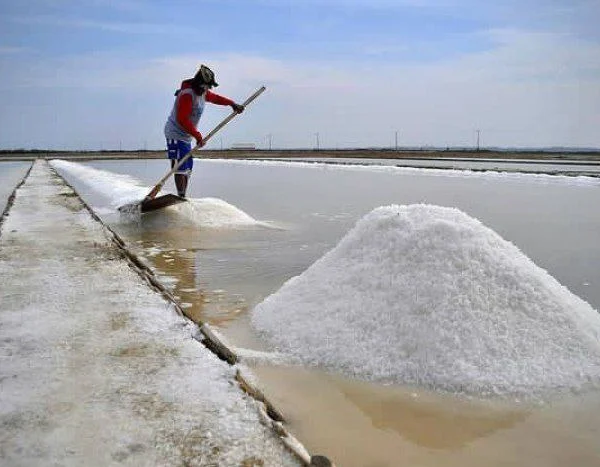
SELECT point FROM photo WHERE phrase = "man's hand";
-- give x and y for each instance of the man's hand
(199, 140)
(237, 108)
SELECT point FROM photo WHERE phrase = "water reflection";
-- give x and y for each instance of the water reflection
(432, 422)
(179, 269)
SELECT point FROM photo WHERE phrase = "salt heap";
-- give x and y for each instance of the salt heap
(215, 213)
(428, 296)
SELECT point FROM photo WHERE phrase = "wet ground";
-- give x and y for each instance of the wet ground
(219, 275)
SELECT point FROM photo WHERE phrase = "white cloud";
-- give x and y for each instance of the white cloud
(531, 90)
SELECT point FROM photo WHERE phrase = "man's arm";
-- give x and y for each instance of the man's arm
(221, 100)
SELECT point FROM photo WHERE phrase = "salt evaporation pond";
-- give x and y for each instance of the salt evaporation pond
(224, 272)
(428, 296)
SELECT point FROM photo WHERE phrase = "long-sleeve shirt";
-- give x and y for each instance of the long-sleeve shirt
(187, 110)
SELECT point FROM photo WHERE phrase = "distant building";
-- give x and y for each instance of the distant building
(244, 146)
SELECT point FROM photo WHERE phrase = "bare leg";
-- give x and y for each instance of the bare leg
(181, 181)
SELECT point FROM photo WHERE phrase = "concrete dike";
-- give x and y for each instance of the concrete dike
(98, 365)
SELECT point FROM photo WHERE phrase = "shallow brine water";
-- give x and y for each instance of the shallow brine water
(11, 173)
(219, 274)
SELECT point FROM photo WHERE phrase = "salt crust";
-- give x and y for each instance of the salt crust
(412, 171)
(97, 369)
(427, 296)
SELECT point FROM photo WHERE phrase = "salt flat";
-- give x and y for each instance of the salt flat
(96, 367)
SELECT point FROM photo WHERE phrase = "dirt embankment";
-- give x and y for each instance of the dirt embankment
(569, 155)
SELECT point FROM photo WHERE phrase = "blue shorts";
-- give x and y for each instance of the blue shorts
(177, 150)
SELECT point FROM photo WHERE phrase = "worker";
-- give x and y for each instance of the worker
(181, 126)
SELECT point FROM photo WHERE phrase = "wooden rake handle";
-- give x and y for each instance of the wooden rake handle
(225, 121)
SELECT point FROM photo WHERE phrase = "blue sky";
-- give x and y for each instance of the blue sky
(100, 74)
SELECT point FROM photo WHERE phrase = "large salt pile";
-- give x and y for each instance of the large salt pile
(428, 296)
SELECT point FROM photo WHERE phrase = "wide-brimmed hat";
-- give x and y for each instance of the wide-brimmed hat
(205, 76)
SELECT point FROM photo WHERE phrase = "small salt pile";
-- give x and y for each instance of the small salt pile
(215, 213)
(428, 296)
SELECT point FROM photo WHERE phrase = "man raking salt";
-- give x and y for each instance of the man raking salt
(181, 130)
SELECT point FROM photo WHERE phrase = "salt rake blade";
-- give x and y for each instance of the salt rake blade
(160, 202)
